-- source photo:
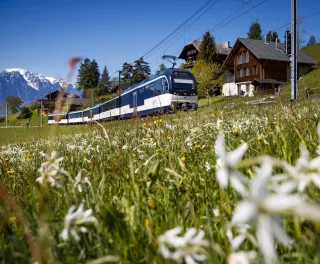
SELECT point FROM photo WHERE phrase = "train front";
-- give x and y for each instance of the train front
(183, 90)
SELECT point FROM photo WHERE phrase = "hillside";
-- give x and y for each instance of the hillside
(313, 51)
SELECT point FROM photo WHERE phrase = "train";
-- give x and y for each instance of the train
(166, 92)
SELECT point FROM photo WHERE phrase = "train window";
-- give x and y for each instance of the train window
(165, 84)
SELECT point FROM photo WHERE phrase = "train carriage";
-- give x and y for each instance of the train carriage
(166, 92)
(58, 118)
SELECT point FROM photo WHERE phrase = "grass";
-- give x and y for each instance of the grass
(33, 121)
(148, 176)
(313, 51)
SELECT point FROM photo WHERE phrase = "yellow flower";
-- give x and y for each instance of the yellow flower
(160, 120)
(196, 146)
(10, 171)
(236, 131)
(152, 204)
(12, 219)
(6, 158)
(155, 122)
(158, 150)
(27, 156)
(148, 132)
(144, 124)
(182, 158)
(147, 223)
(259, 138)
(169, 138)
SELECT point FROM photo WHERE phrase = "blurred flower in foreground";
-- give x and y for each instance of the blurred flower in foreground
(74, 220)
(73, 62)
(242, 257)
(226, 163)
(262, 207)
(188, 247)
(51, 172)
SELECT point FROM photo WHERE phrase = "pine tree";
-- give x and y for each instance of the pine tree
(104, 83)
(255, 31)
(272, 36)
(208, 51)
(312, 40)
(141, 71)
(127, 73)
(88, 75)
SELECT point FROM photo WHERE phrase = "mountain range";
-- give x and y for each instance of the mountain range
(28, 85)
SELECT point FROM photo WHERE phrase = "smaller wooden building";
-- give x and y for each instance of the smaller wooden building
(191, 50)
(256, 66)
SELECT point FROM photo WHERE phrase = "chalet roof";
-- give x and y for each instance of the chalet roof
(266, 81)
(222, 48)
(269, 51)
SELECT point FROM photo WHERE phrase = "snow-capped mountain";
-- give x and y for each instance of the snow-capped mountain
(28, 85)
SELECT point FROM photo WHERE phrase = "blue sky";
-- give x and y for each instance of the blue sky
(41, 35)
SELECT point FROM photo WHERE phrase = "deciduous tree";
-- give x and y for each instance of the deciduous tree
(14, 103)
(209, 77)
(312, 40)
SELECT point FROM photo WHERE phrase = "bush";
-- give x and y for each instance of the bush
(2, 119)
(24, 113)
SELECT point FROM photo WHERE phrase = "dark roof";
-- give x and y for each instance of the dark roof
(269, 51)
(222, 48)
(268, 81)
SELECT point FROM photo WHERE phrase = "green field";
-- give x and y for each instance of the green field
(142, 177)
(313, 51)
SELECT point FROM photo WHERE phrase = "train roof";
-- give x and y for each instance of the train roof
(163, 73)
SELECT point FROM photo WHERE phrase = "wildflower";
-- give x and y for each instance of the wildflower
(51, 172)
(6, 158)
(80, 183)
(155, 122)
(261, 206)
(74, 220)
(226, 163)
(305, 171)
(147, 223)
(242, 234)
(189, 142)
(152, 204)
(160, 120)
(182, 158)
(242, 257)
(188, 247)
(259, 138)
(144, 124)
(148, 132)
(169, 138)
(207, 166)
(197, 146)
(10, 172)
(12, 219)
(73, 62)
(236, 132)
(219, 121)
(216, 212)
(28, 156)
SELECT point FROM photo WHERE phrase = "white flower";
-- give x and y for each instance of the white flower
(226, 163)
(79, 183)
(242, 235)
(219, 121)
(301, 175)
(51, 172)
(259, 206)
(189, 142)
(74, 220)
(216, 212)
(207, 166)
(242, 257)
(188, 247)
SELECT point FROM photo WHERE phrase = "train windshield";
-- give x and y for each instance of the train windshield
(179, 83)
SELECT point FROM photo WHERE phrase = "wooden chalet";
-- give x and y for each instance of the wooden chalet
(191, 50)
(256, 66)
(70, 99)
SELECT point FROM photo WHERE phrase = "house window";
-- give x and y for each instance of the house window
(247, 57)
(256, 70)
(247, 72)
(240, 60)
(240, 73)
